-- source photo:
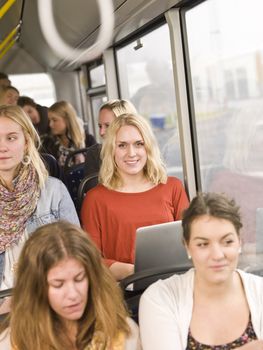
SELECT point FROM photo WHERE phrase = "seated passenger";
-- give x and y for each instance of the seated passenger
(68, 133)
(134, 191)
(4, 80)
(38, 114)
(8, 95)
(28, 197)
(65, 298)
(214, 305)
(107, 113)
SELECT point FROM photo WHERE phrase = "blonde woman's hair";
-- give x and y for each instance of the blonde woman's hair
(33, 324)
(154, 169)
(75, 131)
(17, 115)
(119, 107)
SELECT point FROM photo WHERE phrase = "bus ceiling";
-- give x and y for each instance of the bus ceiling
(76, 35)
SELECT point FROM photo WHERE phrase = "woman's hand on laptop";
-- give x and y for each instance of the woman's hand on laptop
(121, 270)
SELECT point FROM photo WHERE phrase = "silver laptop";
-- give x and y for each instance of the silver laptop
(160, 246)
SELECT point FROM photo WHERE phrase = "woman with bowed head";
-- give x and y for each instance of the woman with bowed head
(65, 298)
(28, 197)
(134, 191)
(213, 306)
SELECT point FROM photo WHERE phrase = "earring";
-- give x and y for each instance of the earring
(189, 257)
(26, 160)
(239, 250)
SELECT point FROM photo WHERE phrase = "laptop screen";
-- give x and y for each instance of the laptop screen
(160, 246)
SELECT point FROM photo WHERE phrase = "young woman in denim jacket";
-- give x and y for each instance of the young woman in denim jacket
(28, 197)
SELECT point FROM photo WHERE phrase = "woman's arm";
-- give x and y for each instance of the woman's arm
(121, 270)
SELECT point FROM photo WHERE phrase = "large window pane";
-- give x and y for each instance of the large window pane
(226, 58)
(97, 76)
(37, 86)
(146, 78)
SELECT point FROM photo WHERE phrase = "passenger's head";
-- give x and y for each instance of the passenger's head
(211, 204)
(21, 143)
(4, 80)
(63, 121)
(130, 148)
(211, 230)
(110, 110)
(9, 95)
(61, 280)
(30, 107)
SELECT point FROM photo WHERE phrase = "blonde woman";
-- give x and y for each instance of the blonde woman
(65, 298)
(107, 113)
(134, 191)
(28, 197)
(67, 130)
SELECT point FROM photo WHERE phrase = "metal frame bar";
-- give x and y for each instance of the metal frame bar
(6, 7)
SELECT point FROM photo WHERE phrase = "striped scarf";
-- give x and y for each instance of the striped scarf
(17, 206)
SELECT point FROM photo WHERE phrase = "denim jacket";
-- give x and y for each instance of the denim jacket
(54, 204)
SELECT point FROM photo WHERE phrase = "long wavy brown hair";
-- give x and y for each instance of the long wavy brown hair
(34, 325)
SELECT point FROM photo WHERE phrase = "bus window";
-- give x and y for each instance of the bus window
(146, 79)
(37, 86)
(226, 61)
(97, 76)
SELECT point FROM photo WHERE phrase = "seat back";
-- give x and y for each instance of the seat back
(86, 184)
(52, 166)
(74, 158)
(73, 178)
(74, 173)
(4, 294)
(144, 278)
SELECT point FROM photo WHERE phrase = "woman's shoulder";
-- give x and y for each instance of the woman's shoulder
(173, 181)
(170, 288)
(53, 187)
(53, 182)
(133, 341)
(97, 192)
(5, 343)
(250, 280)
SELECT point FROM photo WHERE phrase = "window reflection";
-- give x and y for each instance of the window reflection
(146, 78)
(226, 61)
(97, 76)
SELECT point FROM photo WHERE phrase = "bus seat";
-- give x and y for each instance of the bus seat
(132, 297)
(3, 294)
(52, 166)
(73, 178)
(86, 184)
(69, 163)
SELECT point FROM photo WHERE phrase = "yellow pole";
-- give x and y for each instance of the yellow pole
(4, 51)
(6, 7)
(8, 38)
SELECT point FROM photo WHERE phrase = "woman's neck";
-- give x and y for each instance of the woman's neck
(64, 140)
(135, 183)
(71, 332)
(7, 179)
(217, 290)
